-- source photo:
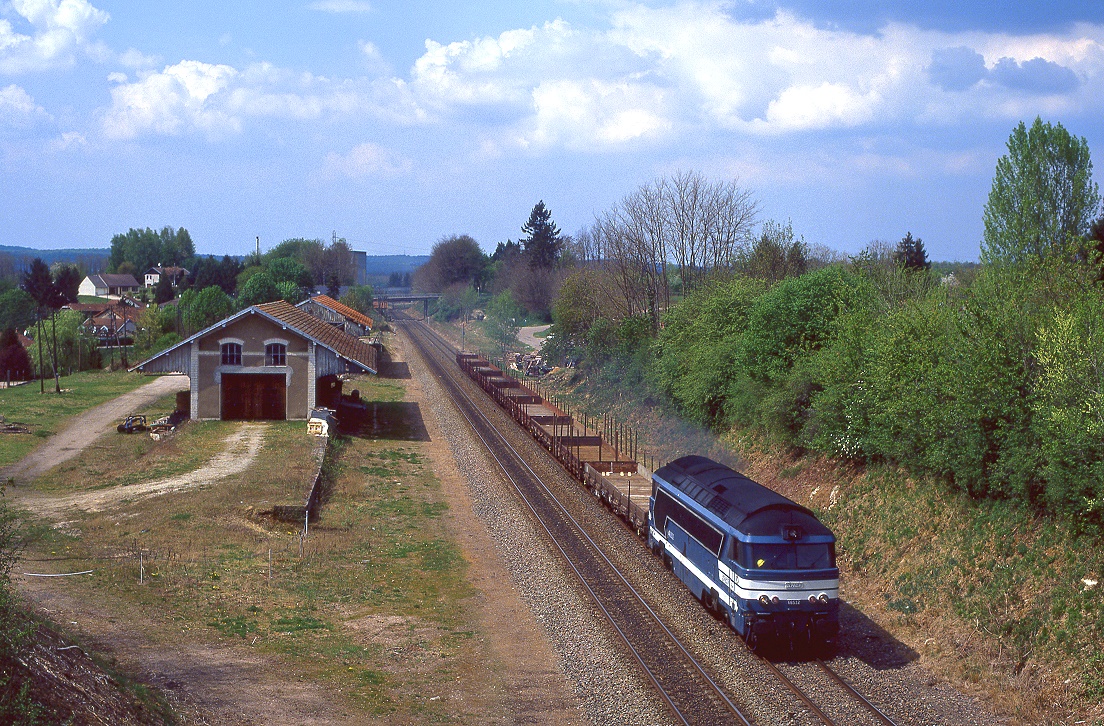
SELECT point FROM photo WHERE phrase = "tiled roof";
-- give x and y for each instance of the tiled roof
(344, 344)
(352, 314)
(114, 280)
(90, 307)
(305, 324)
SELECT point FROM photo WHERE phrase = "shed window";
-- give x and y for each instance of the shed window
(231, 354)
(275, 354)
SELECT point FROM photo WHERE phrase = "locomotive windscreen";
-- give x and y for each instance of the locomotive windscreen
(771, 556)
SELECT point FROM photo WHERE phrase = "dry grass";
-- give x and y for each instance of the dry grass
(45, 413)
(372, 603)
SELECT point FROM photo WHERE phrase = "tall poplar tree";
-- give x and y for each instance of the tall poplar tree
(1043, 196)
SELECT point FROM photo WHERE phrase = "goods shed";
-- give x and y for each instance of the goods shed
(270, 361)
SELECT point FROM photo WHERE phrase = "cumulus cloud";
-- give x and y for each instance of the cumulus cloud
(364, 161)
(1035, 76)
(59, 29)
(653, 74)
(217, 100)
(171, 101)
(373, 59)
(959, 69)
(341, 6)
(133, 58)
(956, 69)
(18, 109)
(659, 71)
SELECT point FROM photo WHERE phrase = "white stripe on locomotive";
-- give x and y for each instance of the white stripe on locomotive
(746, 589)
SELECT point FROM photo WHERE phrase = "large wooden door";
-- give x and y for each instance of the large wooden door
(254, 396)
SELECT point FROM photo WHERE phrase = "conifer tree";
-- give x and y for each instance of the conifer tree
(542, 242)
(910, 253)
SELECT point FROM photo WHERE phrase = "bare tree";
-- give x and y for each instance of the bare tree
(685, 220)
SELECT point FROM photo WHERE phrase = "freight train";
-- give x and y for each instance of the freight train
(759, 561)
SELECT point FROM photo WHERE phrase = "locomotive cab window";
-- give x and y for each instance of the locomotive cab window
(771, 556)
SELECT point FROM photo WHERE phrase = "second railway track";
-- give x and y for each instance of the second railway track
(693, 694)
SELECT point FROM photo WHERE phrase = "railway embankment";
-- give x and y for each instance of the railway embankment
(992, 599)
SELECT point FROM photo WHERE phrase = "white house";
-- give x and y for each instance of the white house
(175, 274)
(104, 285)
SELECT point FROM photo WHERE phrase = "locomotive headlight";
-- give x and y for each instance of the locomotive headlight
(763, 599)
(824, 598)
(813, 599)
(774, 599)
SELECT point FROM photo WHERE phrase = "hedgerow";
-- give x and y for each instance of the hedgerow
(995, 388)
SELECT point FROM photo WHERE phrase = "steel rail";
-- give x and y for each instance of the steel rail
(696, 671)
(801, 695)
(442, 345)
(878, 714)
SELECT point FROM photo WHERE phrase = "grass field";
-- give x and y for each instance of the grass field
(45, 413)
(372, 603)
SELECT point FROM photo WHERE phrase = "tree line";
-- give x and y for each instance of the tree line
(211, 290)
(989, 378)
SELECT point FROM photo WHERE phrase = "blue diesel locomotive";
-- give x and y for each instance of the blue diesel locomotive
(758, 560)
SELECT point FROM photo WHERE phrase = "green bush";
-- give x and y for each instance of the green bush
(795, 318)
(695, 355)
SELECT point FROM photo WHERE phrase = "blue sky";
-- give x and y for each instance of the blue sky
(397, 123)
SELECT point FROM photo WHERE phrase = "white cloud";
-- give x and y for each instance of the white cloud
(70, 140)
(364, 161)
(341, 6)
(18, 109)
(653, 76)
(133, 58)
(691, 67)
(581, 115)
(59, 29)
(217, 100)
(829, 104)
(373, 58)
(171, 101)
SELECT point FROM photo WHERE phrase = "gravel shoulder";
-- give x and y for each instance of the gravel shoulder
(596, 669)
(528, 335)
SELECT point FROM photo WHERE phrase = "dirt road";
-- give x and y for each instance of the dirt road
(89, 426)
(528, 335)
(239, 450)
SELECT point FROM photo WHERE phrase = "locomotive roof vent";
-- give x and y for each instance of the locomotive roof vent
(720, 489)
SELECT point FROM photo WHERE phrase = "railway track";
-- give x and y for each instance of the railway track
(684, 683)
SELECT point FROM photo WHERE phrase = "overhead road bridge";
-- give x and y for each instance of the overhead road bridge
(384, 301)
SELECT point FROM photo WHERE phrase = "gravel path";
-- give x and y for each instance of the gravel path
(239, 450)
(528, 335)
(89, 426)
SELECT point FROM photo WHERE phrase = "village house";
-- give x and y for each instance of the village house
(105, 285)
(269, 361)
(175, 275)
